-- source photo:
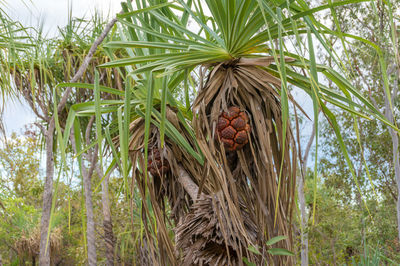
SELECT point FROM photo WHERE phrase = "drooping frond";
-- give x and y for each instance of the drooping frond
(259, 178)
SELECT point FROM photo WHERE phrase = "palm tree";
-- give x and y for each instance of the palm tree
(227, 196)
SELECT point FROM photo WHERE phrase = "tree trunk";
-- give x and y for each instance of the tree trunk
(90, 230)
(107, 222)
(186, 181)
(44, 255)
(333, 252)
(302, 201)
(303, 220)
(395, 146)
(86, 176)
(395, 140)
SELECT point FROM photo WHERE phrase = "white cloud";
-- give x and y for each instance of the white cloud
(55, 12)
(16, 115)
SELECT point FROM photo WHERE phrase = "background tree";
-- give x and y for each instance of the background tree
(36, 72)
(340, 195)
(377, 24)
(22, 190)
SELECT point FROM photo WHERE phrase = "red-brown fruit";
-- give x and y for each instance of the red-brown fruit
(233, 112)
(228, 133)
(239, 123)
(222, 123)
(233, 128)
(241, 137)
(156, 165)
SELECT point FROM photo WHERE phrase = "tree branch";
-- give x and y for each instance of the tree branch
(85, 63)
(186, 181)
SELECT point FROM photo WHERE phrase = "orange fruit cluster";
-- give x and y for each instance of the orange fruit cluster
(233, 128)
(157, 166)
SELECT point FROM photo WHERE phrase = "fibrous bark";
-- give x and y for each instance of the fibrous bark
(261, 184)
(199, 234)
(174, 186)
(202, 239)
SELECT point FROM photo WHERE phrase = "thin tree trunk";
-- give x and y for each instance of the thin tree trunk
(107, 222)
(86, 176)
(395, 140)
(303, 220)
(90, 230)
(395, 146)
(302, 201)
(92, 157)
(44, 255)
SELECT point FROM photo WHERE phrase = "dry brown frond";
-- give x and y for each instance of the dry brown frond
(28, 244)
(201, 236)
(162, 185)
(248, 179)
(238, 191)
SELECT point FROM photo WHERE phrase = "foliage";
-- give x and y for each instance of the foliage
(341, 217)
(19, 168)
(371, 257)
(21, 191)
(370, 152)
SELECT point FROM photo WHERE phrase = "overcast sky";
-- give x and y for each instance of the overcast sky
(53, 13)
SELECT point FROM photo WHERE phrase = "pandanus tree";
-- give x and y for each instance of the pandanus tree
(32, 74)
(204, 124)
